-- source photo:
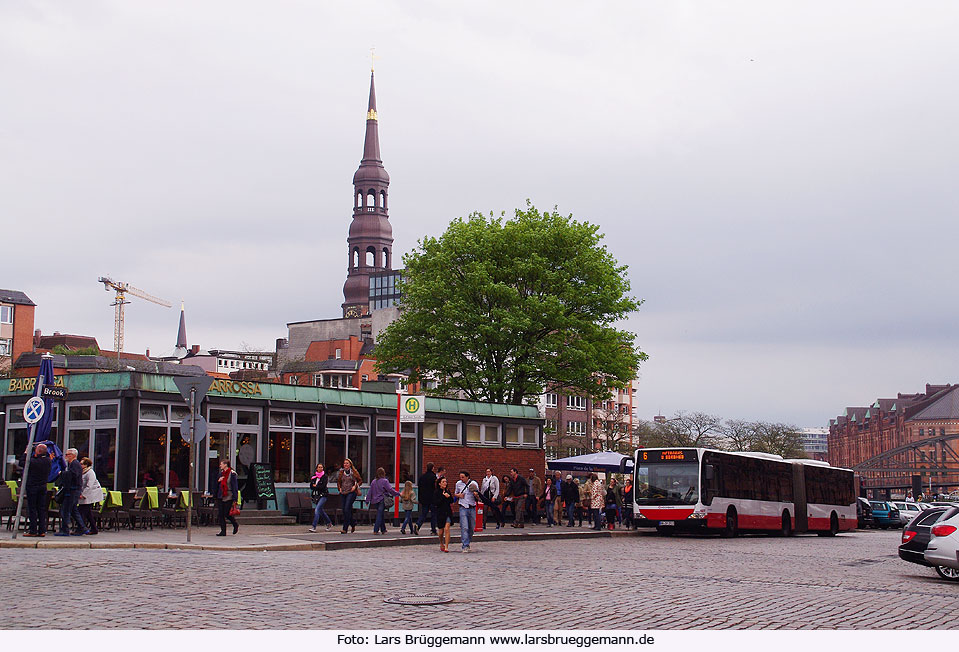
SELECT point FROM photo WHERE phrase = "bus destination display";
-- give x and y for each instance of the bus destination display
(675, 455)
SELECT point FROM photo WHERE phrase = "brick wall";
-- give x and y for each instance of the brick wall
(476, 459)
(22, 330)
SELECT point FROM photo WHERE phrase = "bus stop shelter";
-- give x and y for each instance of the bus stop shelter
(602, 462)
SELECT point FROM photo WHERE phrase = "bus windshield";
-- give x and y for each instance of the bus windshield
(667, 484)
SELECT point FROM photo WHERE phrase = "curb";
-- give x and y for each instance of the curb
(308, 546)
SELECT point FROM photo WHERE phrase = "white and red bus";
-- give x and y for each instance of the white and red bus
(698, 489)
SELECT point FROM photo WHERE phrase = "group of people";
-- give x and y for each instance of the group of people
(77, 491)
(521, 498)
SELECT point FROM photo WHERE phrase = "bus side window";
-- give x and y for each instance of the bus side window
(710, 482)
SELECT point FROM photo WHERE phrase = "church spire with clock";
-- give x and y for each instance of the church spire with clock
(371, 236)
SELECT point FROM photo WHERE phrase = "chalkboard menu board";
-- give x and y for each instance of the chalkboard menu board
(263, 482)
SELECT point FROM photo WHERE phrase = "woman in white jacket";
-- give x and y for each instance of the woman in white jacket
(90, 492)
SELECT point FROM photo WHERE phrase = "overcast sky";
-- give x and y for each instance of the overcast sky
(779, 177)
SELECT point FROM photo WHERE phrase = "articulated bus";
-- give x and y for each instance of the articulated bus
(702, 490)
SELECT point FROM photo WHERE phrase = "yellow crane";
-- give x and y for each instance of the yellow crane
(122, 289)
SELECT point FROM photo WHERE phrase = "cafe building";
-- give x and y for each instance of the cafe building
(128, 423)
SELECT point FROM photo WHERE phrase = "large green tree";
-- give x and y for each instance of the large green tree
(498, 309)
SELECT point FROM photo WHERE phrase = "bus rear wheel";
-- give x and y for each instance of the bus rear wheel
(833, 527)
(787, 527)
(732, 526)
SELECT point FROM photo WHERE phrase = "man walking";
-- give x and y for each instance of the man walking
(490, 491)
(520, 489)
(71, 480)
(466, 492)
(569, 495)
(558, 497)
(534, 494)
(427, 490)
(36, 488)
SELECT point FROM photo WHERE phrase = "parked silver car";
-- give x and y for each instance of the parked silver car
(943, 549)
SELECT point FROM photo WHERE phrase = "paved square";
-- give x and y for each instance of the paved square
(643, 582)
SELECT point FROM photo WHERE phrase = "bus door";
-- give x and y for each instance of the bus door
(799, 499)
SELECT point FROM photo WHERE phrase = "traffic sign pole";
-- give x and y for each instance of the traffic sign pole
(396, 466)
(26, 464)
(189, 504)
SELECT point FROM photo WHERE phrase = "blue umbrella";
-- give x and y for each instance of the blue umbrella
(40, 431)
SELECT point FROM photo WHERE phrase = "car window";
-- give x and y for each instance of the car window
(929, 517)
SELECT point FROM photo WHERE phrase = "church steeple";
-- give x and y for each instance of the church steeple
(371, 236)
(181, 343)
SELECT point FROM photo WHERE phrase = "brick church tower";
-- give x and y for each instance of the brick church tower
(371, 236)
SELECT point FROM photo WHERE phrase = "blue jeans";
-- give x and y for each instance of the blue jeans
(408, 520)
(594, 513)
(549, 512)
(320, 511)
(467, 525)
(348, 520)
(380, 525)
(571, 513)
(68, 511)
(424, 510)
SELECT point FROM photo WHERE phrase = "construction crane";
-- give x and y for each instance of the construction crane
(122, 289)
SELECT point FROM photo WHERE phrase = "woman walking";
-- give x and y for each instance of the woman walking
(348, 481)
(380, 488)
(628, 504)
(90, 493)
(597, 498)
(444, 513)
(227, 492)
(407, 500)
(549, 496)
(506, 502)
(611, 505)
(319, 492)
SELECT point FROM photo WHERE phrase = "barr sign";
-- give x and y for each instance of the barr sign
(412, 409)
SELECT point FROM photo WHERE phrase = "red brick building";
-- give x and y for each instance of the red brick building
(16, 326)
(870, 436)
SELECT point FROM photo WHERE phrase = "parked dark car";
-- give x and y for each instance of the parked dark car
(885, 514)
(916, 536)
(864, 514)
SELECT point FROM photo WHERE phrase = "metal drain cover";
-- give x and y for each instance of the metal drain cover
(416, 600)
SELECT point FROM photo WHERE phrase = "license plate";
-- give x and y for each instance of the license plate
(667, 522)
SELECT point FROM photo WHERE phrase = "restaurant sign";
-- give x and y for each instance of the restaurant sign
(247, 388)
(28, 384)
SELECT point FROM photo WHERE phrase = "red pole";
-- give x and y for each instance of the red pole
(396, 466)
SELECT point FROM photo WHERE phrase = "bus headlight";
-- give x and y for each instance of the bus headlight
(698, 514)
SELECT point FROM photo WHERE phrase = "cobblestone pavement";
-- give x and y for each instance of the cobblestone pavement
(643, 582)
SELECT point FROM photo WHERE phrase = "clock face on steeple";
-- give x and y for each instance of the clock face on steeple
(352, 312)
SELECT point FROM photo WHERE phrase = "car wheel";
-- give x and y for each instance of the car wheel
(947, 573)
(732, 526)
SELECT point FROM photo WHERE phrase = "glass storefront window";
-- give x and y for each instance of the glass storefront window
(303, 456)
(150, 412)
(335, 453)
(245, 455)
(281, 449)
(16, 444)
(386, 425)
(473, 433)
(431, 430)
(106, 412)
(179, 475)
(151, 456)
(221, 416)
(305, 420)
(335, 422)
(247, 418)
(359, 448)
(179, 412)
(359, 424)
(407, 460)
(384, 456)
(512, 435)
(105, 450)
(79, 439)
(280, 420)
(79, 413)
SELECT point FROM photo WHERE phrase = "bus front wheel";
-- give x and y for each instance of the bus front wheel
(732, 526)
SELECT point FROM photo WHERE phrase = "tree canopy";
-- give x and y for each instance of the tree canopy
(500, 309)
(698, 429)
